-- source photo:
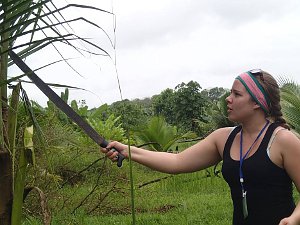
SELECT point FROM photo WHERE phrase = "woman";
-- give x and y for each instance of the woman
(261, 157)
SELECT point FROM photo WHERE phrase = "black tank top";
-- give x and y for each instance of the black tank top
(269, 188)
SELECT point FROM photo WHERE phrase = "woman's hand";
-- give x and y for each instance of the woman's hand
(113, 149)
(289, 221)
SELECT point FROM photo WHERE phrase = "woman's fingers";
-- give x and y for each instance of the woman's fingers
(112, 154)
(110, 151)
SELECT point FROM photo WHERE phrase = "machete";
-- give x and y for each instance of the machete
(62, 105)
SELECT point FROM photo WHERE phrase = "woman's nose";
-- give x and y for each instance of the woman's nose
(227, 99)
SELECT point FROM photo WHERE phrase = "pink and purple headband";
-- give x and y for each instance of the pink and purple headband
(255, 89)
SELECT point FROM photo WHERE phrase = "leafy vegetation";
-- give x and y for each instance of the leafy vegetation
(57, 169)
(160, 136)
(189, 108)
(290, 94)
(131, 114)
(26, 27)
(83, 188)
(68, 168)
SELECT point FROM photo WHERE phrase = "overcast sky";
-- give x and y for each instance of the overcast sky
(161, 43)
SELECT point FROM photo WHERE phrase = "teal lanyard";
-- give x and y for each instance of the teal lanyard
(242, 158)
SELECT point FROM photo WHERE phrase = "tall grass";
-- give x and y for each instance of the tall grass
(185, 199)
(181, 199)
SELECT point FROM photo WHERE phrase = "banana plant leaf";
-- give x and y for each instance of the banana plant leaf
(26, 158)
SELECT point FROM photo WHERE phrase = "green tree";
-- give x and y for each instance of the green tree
(213, 94)
(163, 104)
(145, 104)
(189, 105)
(131, 114)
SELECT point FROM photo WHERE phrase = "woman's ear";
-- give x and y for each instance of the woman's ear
(256, 105)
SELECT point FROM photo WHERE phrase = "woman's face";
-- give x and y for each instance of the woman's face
(239, 103)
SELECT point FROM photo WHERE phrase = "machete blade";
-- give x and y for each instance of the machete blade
(62, 105)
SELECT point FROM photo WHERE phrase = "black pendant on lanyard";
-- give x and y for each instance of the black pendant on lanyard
(242, 158)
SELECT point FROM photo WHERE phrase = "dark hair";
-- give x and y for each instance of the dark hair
(272, 89)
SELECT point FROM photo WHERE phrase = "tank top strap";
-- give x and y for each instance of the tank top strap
(233, 133)
(268, 135)
(237, 129)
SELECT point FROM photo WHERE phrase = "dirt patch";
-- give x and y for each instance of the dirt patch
(164, 208)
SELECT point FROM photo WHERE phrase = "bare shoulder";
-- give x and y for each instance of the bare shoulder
(220, 137)
(289, 144)
(222, 132)
(287, 139)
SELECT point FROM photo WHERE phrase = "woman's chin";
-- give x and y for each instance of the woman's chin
(232, 118)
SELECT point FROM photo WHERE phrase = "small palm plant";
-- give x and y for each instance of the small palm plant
(160, 136)
(27, 26)
(217, 116)
(290, 101)
(220, 115)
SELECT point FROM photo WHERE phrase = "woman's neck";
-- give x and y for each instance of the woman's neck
(252, 127)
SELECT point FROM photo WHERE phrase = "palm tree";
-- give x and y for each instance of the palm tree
(27, 26)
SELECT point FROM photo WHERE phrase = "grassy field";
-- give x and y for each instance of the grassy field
(196, 198)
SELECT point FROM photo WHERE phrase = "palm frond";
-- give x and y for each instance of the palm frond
(161, 135)
(290, 101)
(26, 19)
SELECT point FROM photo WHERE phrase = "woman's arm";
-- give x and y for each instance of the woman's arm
(199, 156)
(290, 146)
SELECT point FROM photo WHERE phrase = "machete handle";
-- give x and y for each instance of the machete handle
(120, 156)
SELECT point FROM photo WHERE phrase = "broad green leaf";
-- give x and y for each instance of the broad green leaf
(21, 173)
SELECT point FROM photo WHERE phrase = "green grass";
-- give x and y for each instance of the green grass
(194, 198)
(179, 199)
